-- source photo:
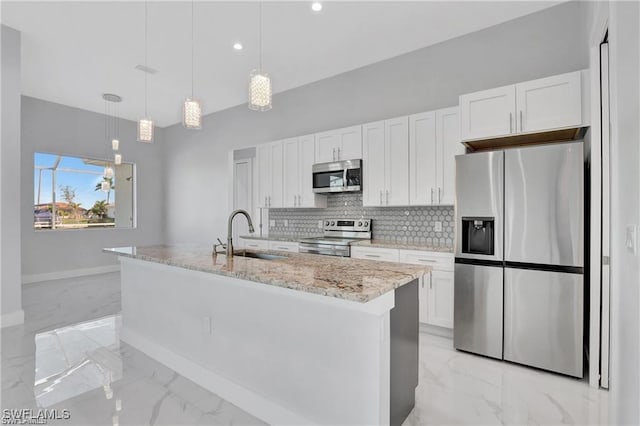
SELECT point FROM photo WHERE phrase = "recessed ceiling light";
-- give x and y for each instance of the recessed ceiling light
(237, 46)
(316, 6)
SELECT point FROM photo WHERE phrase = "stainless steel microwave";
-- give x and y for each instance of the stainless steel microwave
(337, 176)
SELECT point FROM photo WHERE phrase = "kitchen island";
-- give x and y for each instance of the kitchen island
(290, 338)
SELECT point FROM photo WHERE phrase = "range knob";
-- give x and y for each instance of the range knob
(366, 224)
(359, 223)
(332, 223)
(326, 223)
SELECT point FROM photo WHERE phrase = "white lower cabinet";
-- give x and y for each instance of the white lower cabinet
(254, 244)
(375, 253)
(289, 246)
(436, 289)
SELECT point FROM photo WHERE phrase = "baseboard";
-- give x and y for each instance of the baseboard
(14, 318)
(59, 275)
(435, 330)
(249, 401)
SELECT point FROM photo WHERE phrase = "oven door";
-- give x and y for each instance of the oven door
(325, 249)
(341, 176)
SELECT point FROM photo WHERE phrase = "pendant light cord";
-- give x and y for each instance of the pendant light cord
(260, 40)
(145, 58)
(192, 48)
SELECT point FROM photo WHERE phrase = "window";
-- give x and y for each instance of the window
(82, 193)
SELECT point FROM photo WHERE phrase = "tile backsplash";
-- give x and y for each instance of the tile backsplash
(402, 224)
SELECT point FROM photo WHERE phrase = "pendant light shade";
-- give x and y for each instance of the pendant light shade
(259, 91)
(191, 114)
(259, 81)
(145, 130)
(115, 144)
(117, 159)
(108, 172)
(191, 108)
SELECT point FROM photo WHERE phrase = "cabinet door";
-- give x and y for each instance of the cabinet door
(327, 146)
(373, 164)
(440, 298)
(291, 170)
(276, 175)
(263, 157)
(350, 146)
(397, 161)
(449, 145)
(422, 158)
(488, 113)
(306, 159)
(549, 103)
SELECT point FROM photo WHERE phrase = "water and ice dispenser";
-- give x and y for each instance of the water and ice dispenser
(478, 235)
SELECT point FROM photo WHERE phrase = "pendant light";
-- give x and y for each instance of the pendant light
(191, 109)
(259, 81)
(112, 123)
(145, 125)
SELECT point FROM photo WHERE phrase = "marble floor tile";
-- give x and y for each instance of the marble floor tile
(68, 355)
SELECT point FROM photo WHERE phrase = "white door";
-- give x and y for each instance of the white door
(397, 161)
(488, 113)
(290, 170)
(306, 159)
(263, 157)
(449, 145)
(549, 103)
(373, 164)
(327, 146)
(350, 147)
(441, 298)
(242, 194)
(422, 158)
(277, 175)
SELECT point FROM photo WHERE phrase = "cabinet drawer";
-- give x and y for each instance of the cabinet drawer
(384, 254)
(284, 246)
(254, 244)
(442, 261)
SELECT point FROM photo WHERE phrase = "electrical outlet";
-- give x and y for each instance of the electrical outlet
(632, 239)
(437, 226)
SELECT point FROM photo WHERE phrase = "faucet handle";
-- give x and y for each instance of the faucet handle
(220, 244)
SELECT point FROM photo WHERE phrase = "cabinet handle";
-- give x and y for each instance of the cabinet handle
(299, 200)
(510, 122)
(372, 255)
(430, 281)
(431, 195)
(269, 200)
(381, 197)
(282, 248)
(334, 154)
(427, 260)
(387, 197)
(521, 124)
(265, 201)
(439, 195)
(339, 156)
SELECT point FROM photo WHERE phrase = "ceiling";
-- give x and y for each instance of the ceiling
(72, 52)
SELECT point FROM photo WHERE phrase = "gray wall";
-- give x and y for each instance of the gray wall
(197, 180)
(624, 43)
(50, 127)
(9, 170)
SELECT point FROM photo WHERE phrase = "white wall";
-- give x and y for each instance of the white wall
(624, 41)
(50, 127)
(197, 180)
(9, 188)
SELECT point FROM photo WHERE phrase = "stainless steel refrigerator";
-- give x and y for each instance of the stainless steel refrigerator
(519, 286)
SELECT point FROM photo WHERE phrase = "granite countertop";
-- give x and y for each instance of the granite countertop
(344, 278)
(403, 246)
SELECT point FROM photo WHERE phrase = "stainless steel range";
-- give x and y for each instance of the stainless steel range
(338, 236)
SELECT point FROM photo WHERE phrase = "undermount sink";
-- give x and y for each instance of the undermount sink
(256, 255)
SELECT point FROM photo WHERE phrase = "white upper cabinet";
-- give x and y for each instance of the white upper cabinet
(298, 159)
(270, 174)
(385, 157)
(488, 113)
(448, 146)
(340, 144)
(434, 141)
(422, 158)
(545, 104)
(549, 103)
